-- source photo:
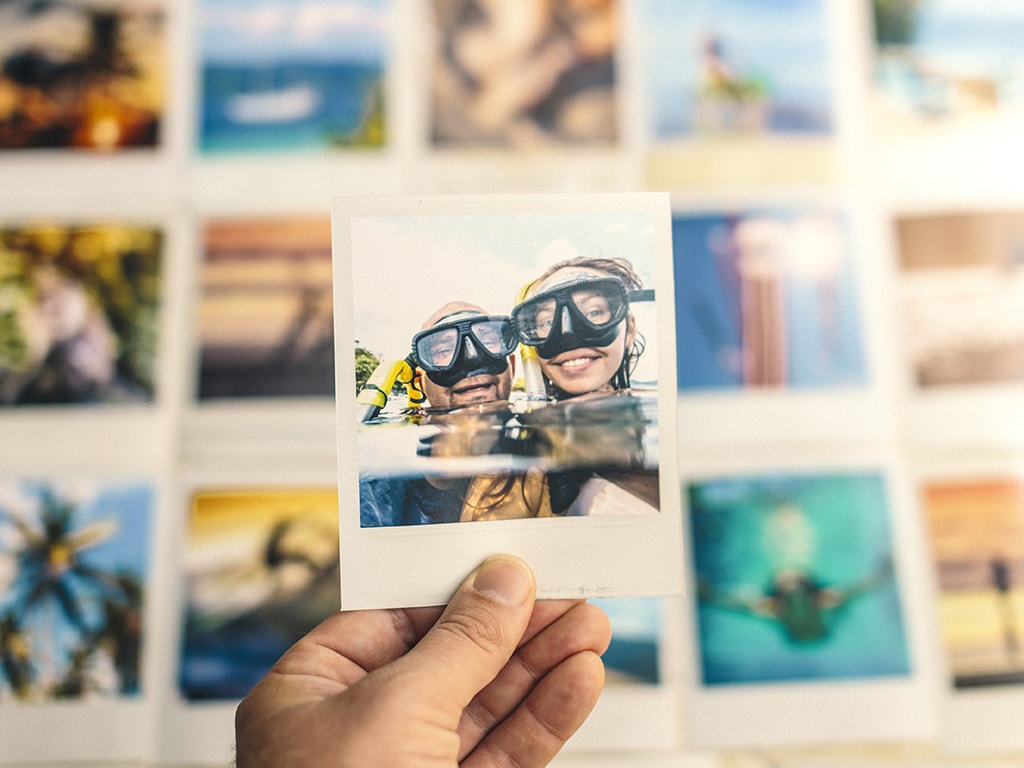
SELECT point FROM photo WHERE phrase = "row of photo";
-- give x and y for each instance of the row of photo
(775, 82)
(774, 298)
(806, 583)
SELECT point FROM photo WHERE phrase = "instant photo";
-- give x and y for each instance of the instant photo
(512, 78)
(82, 75)
(766, 299)
(295, 77)
(261, 570)
(738, 92)
(507, 392)
(809, 609)
(79, 314)
(74, 617)
(265, 324)
(974, 511)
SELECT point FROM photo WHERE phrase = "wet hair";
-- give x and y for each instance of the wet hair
(616, 267)
(613, 265)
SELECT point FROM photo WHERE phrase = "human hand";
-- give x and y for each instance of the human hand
(494, 679)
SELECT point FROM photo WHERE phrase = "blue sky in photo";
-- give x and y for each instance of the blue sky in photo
(986, 31)
(243, 30)
(783, 42)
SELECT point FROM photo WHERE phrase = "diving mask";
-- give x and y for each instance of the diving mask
(583, 313)
(454, 350)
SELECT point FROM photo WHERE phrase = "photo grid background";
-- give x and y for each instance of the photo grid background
(866, 140)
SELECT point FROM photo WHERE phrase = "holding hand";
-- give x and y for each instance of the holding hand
(494, 679)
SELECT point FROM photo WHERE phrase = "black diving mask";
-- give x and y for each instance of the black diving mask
(583, 313)
(470, 346)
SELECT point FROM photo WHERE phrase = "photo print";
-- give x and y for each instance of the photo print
(261, 570)
(738, 67)
(293, 75)
(947, 63)
(737, 91)
(79, 313)
(634, 655)
(766, 299)
(976, 530)
(514, 380)
(962, 285)
(524, 75)
(82, 74)
(795, 579)
(76, 565)
(265, 316)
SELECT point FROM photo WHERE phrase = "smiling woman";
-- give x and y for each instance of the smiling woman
(576, 316)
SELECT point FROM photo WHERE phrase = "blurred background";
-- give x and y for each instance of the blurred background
(848, 237)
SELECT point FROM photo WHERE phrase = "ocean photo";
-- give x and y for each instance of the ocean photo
(292, 76)
(946, 59)
(261, 570)
(737, 66)
(794, 579)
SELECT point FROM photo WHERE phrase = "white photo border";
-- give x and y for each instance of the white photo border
(608, 556)
(805, 713)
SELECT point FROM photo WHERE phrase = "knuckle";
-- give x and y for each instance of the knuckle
(480, 627)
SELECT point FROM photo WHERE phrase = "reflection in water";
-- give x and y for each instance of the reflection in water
(590, 455)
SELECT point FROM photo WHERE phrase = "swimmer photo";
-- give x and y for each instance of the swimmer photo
(514, 375)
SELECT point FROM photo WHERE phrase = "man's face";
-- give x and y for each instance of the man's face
(474, 389)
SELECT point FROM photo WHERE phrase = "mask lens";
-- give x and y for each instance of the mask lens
(594, 305)
(493, 335)
(441, 348)
(437, 350)
(534, 319)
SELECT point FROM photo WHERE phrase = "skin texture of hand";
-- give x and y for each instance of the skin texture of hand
(495, 679)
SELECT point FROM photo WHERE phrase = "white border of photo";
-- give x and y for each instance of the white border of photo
(573, 557)
(809, 713)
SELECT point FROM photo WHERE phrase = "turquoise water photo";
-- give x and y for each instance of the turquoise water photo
(795, 579)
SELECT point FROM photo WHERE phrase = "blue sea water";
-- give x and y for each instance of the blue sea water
(343, 89)
(844, 537)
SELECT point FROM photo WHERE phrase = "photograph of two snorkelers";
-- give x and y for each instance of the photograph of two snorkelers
(512, 373)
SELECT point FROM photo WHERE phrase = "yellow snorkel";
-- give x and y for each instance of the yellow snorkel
(533, 376)
(373, 396)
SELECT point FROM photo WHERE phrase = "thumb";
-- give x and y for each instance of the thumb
(477, 633)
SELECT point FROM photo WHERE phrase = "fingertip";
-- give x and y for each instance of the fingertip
(602, 627)
(505, 578)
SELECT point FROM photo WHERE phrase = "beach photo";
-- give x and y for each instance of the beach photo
(737, 91)
(292, 75)
(76, 560)
(976, 532)
(947, 64)
(265, 318)
(260, 570)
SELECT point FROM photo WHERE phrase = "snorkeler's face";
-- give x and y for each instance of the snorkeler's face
(586, 368)
(469, 354)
